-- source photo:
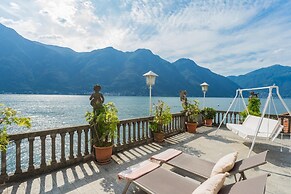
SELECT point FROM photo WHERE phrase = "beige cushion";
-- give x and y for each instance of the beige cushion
(211, 185)
(224, 164)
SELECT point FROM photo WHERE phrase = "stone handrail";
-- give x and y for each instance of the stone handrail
(40, 152)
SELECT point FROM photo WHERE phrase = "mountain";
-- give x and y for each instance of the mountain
(277, 74)
(32, 67)
(195, 75)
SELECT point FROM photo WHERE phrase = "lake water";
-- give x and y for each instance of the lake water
(57, 111)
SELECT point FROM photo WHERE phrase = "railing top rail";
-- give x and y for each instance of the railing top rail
(18, 136)
(272, 115)
(146, 118)
(24, 135)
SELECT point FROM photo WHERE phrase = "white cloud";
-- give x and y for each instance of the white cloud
(14, 6)
(232, 37)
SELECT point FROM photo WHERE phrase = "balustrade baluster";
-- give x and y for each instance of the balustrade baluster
(118, 135)
(222, 116)
(18, 161)
(79, 155)
(183, 121)
(147, 129)
(3, 164)
(86, 141)
(63, 158)
(134, 131)
(171, 126)
(129, 133)
(138, 130)
(53, 138)
(176, 123)
(143, 132)
(43, 162)
(124, 133)
(289, 130)
(30, 165)
(238, 118)
(218, 118)
(71, 133)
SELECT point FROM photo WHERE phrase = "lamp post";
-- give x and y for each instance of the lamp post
(150, 81)
(204, 87)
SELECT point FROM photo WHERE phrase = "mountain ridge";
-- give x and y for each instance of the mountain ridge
(33, 67)
(277, 74)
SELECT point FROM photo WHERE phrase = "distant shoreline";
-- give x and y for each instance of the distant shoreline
(108, 94)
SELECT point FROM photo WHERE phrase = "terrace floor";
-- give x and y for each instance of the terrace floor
(92, 178)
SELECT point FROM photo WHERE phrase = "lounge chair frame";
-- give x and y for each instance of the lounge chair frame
(162, 181)
(201, 168)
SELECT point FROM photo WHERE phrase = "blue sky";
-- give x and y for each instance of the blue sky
(228, 37)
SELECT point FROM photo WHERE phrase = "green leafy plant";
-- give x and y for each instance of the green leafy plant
(104, 123)
(8, 117)
(253, 107)
(208, 113)
(192, 111)
(162, 117)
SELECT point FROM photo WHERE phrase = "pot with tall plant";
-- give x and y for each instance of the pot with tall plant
(192, 112)
(162, 117)
(208, 114)
(103, 124)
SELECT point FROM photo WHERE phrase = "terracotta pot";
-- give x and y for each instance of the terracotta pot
(103, 154)
(159, 137)
(208, 122)
(191, 127)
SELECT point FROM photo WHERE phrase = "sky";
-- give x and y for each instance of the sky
(230, 37)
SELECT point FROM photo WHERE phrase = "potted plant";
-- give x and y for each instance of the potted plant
(208, 114)
(192, 112)
(104, 126)
(162, 117)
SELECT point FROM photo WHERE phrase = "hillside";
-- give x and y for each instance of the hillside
(276, 74)
(32, 67)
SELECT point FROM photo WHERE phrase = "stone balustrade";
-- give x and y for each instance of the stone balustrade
(39, 152)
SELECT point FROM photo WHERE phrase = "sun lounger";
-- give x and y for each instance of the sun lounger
(202, 168)
(162, 181)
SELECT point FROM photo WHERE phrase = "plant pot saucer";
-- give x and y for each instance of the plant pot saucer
(103, 162)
